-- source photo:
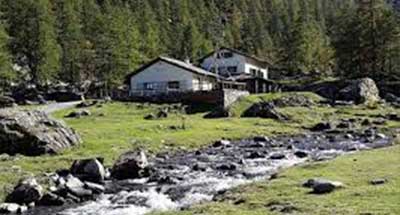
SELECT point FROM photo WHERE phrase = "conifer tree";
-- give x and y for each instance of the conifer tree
(309, 48)
(149, 33)
(6, 73)
(71, 39)
(367, 40)
(33, 30)
(119, 49)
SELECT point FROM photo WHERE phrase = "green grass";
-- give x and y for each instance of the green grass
(123, 128)
(238, 108)
(358, 196)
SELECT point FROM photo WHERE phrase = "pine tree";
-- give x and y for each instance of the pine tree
(6, 73)
(367, 40)
(191, 48)
(93, 28)
(118, 50)
(149, 33)
(309, 48)
(32, 27)
(71, 39)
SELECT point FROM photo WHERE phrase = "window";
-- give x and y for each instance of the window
(225, 55)
(253, 72)
(149, 86)
(173, 85)
(256, 73)
(232, 69)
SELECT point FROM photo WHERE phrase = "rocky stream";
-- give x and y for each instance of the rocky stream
(180, 179)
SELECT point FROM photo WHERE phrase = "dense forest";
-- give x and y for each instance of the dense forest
(103, 40)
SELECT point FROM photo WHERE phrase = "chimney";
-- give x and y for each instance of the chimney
(187, 60)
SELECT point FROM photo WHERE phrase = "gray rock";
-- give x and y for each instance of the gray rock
(265, 110)
(360, 91)
(95, 188)
(89, 170)
(162, 114)
(6, 102)
(323, 126)
(301, 154)
(322, 186)
(34, 133)
(380, 136)
(107, 99)
(393, 117)
(277, 156)
(200, 167)
(77, 187)
(255, 155)
(378, 181)
(130, 165)
(26, 192)
(227, 167)
(51, 199)
(150, 117)
(87, 104)
(389, 97)
(78, 114)
(284, 207)
(221, 143)
(366, 122)
(261, 139)
(12, 208)
(5, 157)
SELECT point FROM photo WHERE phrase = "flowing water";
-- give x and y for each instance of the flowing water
(187, 178)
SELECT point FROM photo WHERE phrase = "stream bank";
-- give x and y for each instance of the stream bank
(186, 178)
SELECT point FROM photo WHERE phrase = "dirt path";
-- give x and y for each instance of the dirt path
(53, 107)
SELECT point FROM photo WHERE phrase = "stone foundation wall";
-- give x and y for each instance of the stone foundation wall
(230, 96)
(222, 98)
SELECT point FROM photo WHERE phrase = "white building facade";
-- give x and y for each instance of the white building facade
(167, 75)
(228, 62)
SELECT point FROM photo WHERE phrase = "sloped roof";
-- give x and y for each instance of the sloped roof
(183, 65)
(249, 58)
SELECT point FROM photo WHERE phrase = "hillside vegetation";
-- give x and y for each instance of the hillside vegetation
(78, 40)
(243, 104)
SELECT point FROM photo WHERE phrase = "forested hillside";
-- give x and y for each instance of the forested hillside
(103, 40)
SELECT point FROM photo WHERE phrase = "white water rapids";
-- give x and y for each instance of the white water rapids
(203, 186)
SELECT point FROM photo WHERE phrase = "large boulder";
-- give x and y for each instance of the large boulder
(34, 133)
(361, 91)
(51, 199)
(12, 208)
(130, 165)
(6, 101)
(89, 170)
(322, 186)
(264, 110)
(28, 94)
(78, 114)
(26, 192)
